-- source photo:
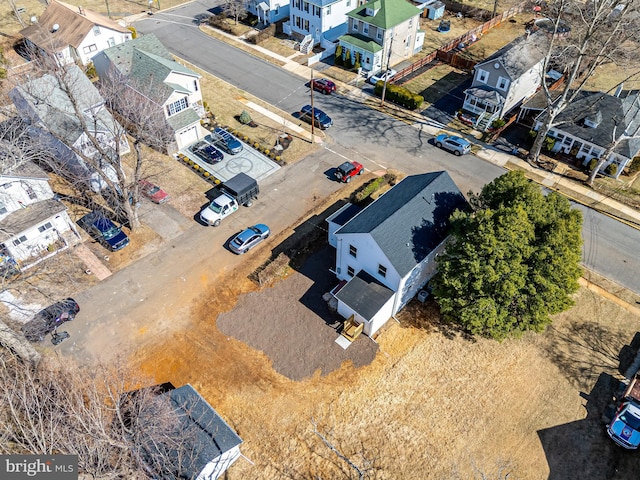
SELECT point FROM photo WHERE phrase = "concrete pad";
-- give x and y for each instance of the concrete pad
(343, 342)
(93, 263)
(249, 161)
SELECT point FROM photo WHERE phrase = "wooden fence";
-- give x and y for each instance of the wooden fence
(443, 52)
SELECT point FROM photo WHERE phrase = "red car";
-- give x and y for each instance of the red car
(323, 85)
(347, 170)
(153, 192)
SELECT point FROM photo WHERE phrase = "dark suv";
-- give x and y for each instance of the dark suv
(322, 120)
(105, 231)
(47, 320)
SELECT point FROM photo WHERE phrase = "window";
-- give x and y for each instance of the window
(503, 83)
(483, 76)
(29, 191)
(89, 49)
(195, 85)
(96, 30)
(379, 35)
(356, 25)
(567, 141)
(111, 42)
(410, 22)
(329, 10)
(348, 3)
(353, 251)
(305, 6)
(178, 106)
(3, 209)
(298, 4)
(365, 28)
(306, 25)
(45, 227)
(350, 271)
(382, 270)
(277, 10)
(20, 240)
(406, 45)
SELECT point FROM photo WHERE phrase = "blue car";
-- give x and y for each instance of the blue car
(624, 429)
(226, 141)
(105, 231)
(322, 120)
(249, 238)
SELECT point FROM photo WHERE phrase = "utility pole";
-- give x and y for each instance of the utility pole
(386, 76)
(313, 113)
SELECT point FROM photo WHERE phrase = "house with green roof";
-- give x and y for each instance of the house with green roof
(382, 33)
(147, 67)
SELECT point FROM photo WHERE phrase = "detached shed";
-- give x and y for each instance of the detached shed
(432, 9)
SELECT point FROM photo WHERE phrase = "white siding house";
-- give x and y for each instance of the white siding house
(33, 224)
(269, 11)
(322, 20)
(53, 119)
(171, 87)
(73, 34)
(505, 80)
(385, 253)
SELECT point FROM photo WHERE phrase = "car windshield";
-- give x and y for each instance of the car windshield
(215, 207)
(631, 420)
(153, 190)
(111, 232)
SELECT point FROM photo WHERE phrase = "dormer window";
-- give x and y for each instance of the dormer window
(370, 12)
(592, 121)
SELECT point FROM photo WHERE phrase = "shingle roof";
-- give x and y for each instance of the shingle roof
(183, 119)
(361, 41)
(612, 110)
(364, 294)
(24, 218)
(519, 56)
(389, 13)
(212, 436)
(73, 26)
(56, 111)
(411, 219)
(26, 170)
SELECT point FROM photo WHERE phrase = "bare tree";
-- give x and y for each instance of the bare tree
(116, 430)
(235, 9)
(601, 32)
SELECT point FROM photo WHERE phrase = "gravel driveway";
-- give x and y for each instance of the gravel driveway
(293, 326)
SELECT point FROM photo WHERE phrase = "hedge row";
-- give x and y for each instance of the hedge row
(399, 95)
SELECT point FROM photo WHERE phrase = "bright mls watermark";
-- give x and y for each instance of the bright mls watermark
(46, 467)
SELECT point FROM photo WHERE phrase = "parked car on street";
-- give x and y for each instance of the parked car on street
(347, 170)
(249, 238)
(322, 120)
(105, 231)
(207, 152)
(47, 320)
(225, 140)
(323, 85)
(456, 145)
(153, 192)
(376, 77)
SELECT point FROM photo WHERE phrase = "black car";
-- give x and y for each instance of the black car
(47, 320)
(322, 120)
(105, 231)
(207, 152)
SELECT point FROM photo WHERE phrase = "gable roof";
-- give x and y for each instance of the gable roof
(24, 171)
(623, 114)
(411, 219)
(519, 56)
(146, 60)
(389, 13)
(24, 218)
(212, 436)
(52, 106)
(73, 26)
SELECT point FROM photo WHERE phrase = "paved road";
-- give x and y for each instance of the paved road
(375, 139)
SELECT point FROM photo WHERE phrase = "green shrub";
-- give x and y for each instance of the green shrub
(338, 59)
(634, 166)
(356, 66)
(369, 188)
(399, 95)
(134, 32)
(498, 123)
(612, 169)
(592, 164)
(533, 134)
(549, 142)
(347, 58)
(91, 71)
(245, 118)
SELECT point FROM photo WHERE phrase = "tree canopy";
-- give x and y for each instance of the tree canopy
(512, 261)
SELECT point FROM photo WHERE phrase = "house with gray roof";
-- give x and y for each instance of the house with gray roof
(72, 33)
(66, 113)
(33, 224)
(148, 68)
(383, 33)
(595, 121)
(385, 253)
(208, 447)
(506, 79)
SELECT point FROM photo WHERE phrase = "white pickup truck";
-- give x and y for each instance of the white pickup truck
(239, 190)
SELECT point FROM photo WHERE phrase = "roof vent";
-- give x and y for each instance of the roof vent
(34, 19)
(55, 27)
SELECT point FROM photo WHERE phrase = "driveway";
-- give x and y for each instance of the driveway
(292, 324)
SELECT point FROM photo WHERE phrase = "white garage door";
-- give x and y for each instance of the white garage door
(188, 136)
